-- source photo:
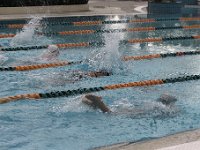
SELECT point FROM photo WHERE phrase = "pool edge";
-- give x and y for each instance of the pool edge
(158, 143)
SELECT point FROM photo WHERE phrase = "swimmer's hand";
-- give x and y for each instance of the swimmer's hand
(95, 102)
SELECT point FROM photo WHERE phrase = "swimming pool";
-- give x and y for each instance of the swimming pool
(65, 123)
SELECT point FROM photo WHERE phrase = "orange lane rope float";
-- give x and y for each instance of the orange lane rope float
(76, 32)
(15, 26)
(67, 93)
(38, 66)
(6, 35)
(86, 23)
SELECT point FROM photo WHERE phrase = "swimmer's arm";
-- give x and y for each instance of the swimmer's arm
(96, 102)
(102, 106)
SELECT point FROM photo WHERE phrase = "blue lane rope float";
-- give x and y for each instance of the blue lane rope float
(125, 58)
(139, 29)
(100, 22)
(56, 94)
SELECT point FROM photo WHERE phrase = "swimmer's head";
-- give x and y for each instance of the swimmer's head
(100, 73)
(51, 53)
(53, 50)
(167, 100)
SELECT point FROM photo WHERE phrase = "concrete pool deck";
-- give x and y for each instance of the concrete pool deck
(189, 140)
(94, 7)
(181, 141)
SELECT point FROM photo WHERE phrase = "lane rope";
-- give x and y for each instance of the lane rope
(100, 22)
(64, 45)
(35, 67)
(160, 39)
(162, 55)
(125, 58)
(86, 44)
(139, 29)
(67, 93)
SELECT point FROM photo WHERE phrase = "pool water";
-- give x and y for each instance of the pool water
(66, 123)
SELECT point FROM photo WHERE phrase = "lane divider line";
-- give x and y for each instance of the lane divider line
(38, 66)
(139, 29)
(64, 45)
(100, 22)
(86, 44)
(162, 55)
(161, 39)
(125, 58)
(67, 93)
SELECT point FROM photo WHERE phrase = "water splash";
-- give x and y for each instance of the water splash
(73, 105)
(122, 105)
(145, 109)
(28, 36)
(107, 58)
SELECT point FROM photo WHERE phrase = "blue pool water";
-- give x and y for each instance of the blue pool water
(65, 123)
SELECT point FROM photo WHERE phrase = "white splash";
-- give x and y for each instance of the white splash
(122, 105)
(107, 58)
(28, 36)
(73, 105)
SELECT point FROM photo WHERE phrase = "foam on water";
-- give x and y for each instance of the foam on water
(72, 105)
(144, 109)
(124, 106)
(108, 58)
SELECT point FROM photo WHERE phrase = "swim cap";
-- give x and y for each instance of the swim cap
(167, 99)
(52, 48)
(51, 54)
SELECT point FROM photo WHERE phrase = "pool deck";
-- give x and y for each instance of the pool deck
(189, 140)
(94, 7)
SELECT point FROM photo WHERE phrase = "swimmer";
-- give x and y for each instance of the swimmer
(97, 103)
(51, 54)
(167, 100)
(96, 74)
(66, 77)
(74, 76)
